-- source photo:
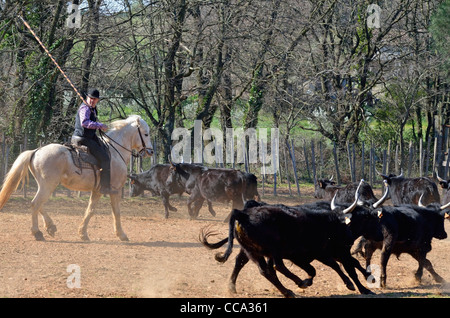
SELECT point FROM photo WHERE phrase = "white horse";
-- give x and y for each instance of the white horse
(53, 164)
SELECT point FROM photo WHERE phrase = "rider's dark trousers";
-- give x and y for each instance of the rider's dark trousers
(100, 152)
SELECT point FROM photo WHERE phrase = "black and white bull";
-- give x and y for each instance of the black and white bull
(445, 185)
(213, 184)
(154, 180)
(409, 190)
(326, 189)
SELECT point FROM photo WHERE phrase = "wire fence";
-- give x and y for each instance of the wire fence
(303, 161)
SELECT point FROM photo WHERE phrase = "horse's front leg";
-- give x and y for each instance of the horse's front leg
(115, 200)
(82, 230)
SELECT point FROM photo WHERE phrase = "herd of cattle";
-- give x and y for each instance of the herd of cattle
(325, 230)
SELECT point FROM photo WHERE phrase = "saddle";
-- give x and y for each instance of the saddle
(81, 156)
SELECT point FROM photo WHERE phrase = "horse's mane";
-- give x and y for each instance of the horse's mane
(119, 124)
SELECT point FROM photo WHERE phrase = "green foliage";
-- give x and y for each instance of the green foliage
(439, 29)
(43, 75)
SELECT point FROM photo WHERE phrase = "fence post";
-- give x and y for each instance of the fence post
(276, 164)
(306, 159)
(363, 154)
(263, 157)
(388, 159)
(421, 158)
(371, 165)
(294, 165)
(410, 158)
(336, 163)
(350, 163)
(321, 159)
(446, 164)
(313, 160)
(397, 168)
(427, 155)
(286, 171)
(435, 156)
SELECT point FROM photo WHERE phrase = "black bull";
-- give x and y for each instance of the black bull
(408, 229)
(300, 234)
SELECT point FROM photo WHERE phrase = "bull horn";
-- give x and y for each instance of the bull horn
(445, 206)
(380, 174)
(333, 203)
(384, 197)
(352, 207)
(420, 203)
(439, 178)
(170, 161)
(331, 178)
(357, 189)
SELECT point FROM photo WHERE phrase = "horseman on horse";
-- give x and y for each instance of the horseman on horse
(86, 125)
(54, 164)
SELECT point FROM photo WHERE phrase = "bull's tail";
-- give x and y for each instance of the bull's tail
(222, 258)
(17, 174)
(205, 234)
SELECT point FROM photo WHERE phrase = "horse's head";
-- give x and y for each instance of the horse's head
(142, 143)
(131, 134)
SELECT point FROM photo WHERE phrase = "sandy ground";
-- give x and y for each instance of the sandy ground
(163, 257)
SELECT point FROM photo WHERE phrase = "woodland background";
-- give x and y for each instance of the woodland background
(314, 69)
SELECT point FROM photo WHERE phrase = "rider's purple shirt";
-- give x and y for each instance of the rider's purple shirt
(85, 114)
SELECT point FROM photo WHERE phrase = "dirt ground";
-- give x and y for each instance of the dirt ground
(163, 257)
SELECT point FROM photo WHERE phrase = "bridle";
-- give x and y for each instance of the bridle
(144, 149)
(141, 152)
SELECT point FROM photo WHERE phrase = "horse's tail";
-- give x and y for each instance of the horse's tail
(17, 174)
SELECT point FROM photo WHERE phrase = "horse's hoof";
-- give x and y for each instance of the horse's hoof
(51, 230)
(123, 238)
(84, 237)
(39, 236)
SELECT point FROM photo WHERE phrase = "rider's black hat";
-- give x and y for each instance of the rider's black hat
(93, 93)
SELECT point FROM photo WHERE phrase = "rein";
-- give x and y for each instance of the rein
(141, 152)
